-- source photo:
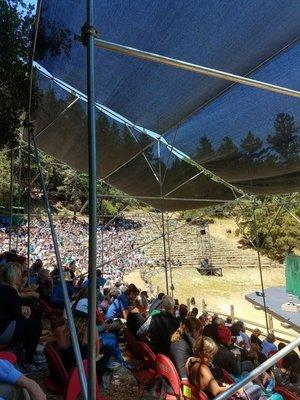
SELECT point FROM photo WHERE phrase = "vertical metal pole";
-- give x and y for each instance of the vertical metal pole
(90, 37)
(11, 194)
(163, 218)
(169, 253)
(72, 328)
(260, 270)
(28, 200)
(19, 195)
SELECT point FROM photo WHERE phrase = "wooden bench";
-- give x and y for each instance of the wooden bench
(210, 271)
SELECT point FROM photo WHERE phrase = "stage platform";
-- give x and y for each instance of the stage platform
(275, 297)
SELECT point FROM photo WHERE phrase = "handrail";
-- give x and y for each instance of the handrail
(256, 324)
(260, 369)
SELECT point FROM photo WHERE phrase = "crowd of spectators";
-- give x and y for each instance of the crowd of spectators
(200, 346)
(116, 245)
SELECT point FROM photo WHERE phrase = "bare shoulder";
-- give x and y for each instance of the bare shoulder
(205, 371)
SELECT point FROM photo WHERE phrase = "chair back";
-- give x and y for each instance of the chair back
(271, 353)
(73, 386)
(45, 307)
(286, 393)
(165, 368)
(8, 356)
(190, 392)
(146, 354)
(130, 340)
(56, 368)
(227, 377)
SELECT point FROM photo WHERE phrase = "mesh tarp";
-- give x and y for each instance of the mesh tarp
(246, 136)
(292, 274)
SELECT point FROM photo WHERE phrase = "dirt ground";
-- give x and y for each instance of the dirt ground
(220, 292)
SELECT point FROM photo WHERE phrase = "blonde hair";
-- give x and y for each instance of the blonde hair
(204, 346)
(9, 273)
(190, 324)
(81, 326)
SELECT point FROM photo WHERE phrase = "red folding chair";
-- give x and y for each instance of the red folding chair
(9, 356)
(146, 354)
(166, 369)
(57, 378)
(271, 353)
(286, 393)
(190, 392)
(73, 386)
(227, 377)
(49, 311)
(130, 341)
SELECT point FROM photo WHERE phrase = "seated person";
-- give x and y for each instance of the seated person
(45, 285)
(16, 322)
(57, 297)
(156, 303)
(160, 327)
(13, 384)
(198, 371)
(223, 357)
(268, 344)
(182, 342)
(183, 312)
(286, 373)
(258, 356)
(62, 336)
(254, 338)
(120, 306)
(136, 318)
(34, 270)
(100, 280)
(211, 330)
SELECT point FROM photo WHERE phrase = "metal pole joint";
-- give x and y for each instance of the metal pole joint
(86, 31)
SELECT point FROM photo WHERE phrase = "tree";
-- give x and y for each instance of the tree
(250, 145)
(17, 33)
(16, 21)
(227, 147)
(285, 140)
(204, 149)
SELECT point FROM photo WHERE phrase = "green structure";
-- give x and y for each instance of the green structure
(292, 274)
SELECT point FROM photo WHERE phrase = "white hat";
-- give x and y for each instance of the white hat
(82, 306)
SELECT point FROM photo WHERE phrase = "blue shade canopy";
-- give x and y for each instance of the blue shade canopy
(245, 136)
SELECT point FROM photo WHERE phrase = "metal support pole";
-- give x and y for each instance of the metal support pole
(72, 328)
(11, 196)
(169, 253)
(163, 218)
(19, 195)
(90, 34)
(28, 200)
(258, 248)
(129, 51)
(259, 370)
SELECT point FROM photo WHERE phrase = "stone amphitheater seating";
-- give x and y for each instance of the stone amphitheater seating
(185, 245)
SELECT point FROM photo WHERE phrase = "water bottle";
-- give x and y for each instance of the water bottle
(270, 386)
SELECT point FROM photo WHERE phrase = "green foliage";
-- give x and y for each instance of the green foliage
(4, 176)
(265, 223)
(272, 227)
(16, 21)
(285, 141)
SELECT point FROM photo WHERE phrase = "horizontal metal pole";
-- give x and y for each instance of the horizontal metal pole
(130, 51)
(165, 198)
(259, 370)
